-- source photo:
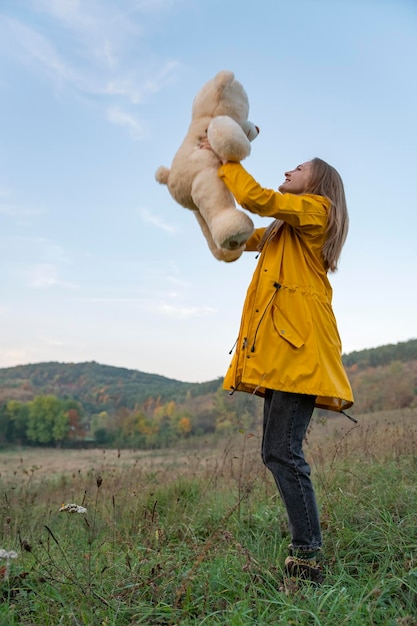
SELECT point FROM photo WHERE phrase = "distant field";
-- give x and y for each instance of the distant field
(376, 434)
(32, 464)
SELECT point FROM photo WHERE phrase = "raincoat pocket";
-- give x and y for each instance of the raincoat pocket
(285, 328)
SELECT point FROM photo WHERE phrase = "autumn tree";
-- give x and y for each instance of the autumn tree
(76, 427)
(13, 422)
(184, 426)
(47, 420)
(241, 410)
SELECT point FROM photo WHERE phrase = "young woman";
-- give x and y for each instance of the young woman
(289, 350)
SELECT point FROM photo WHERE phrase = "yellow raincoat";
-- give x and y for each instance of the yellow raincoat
(288, 338)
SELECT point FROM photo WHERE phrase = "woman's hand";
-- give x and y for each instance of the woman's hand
(204, 144)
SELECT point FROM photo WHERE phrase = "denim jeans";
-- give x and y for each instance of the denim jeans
(286, 418)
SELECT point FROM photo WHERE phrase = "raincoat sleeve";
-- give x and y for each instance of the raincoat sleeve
(301, 211)
(254, 240)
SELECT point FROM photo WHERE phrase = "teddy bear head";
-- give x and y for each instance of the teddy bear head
(222, 95)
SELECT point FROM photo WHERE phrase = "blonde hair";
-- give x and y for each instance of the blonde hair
(325, 181)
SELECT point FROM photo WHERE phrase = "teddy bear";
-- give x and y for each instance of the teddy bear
(220, 113)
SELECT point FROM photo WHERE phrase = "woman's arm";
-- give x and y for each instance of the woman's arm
(254, 240)
(297, 210)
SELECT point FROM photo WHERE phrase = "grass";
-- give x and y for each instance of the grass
(198, 535)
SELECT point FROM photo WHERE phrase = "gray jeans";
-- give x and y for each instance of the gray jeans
(286, 418)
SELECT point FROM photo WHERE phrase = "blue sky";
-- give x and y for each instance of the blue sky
(97, 262)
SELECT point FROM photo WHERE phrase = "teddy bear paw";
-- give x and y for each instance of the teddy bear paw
(236, 241)
(228, 256)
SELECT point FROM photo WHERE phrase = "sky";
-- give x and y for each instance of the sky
(97, 261)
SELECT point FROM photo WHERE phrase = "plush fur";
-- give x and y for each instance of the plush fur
(220, 112)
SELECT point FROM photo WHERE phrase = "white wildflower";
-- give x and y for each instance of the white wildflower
(11, 554)
(73, 508)
(7, 554)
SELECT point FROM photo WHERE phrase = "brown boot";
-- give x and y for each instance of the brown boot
(304, 569)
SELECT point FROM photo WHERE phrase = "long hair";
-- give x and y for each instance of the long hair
(325, 181)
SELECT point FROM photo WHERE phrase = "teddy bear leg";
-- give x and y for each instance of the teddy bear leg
(221, 254)
(230, 228)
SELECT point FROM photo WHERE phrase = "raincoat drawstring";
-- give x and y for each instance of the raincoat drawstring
(277, 287)
(352, 419)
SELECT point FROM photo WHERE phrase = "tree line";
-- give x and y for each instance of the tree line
(48, 420)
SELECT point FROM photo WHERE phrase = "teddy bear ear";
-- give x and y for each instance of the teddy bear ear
(224, 78)
(210, 93)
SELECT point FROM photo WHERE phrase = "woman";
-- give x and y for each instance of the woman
(289, 350)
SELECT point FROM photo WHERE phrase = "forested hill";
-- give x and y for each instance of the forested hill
(374, 373)
(404, 352)
(95, 386)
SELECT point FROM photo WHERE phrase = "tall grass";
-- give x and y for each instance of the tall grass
(201, 537)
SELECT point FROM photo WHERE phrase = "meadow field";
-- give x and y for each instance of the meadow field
(197, 535)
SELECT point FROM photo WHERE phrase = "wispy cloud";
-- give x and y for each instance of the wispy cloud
(183, 312)
(45, 275)
(42, 251)
(152, 6)
(19, 212)
(162, 77)
(13, 356)
(110, 300)
(5, 191)
(117, 116)
(105, 41)
(99, 31)
(66, 10)
(10, 206)
(160, 295)
(54, 342)
(163, 309)
(125, 87)
(36, 50)
(156, 221)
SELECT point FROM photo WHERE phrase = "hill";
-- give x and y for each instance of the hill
(404, 352)
(384, 378)
(97, 387)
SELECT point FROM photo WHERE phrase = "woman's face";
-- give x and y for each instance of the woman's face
(297, 180)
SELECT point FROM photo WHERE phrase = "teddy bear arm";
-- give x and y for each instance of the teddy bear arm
(227, 139)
